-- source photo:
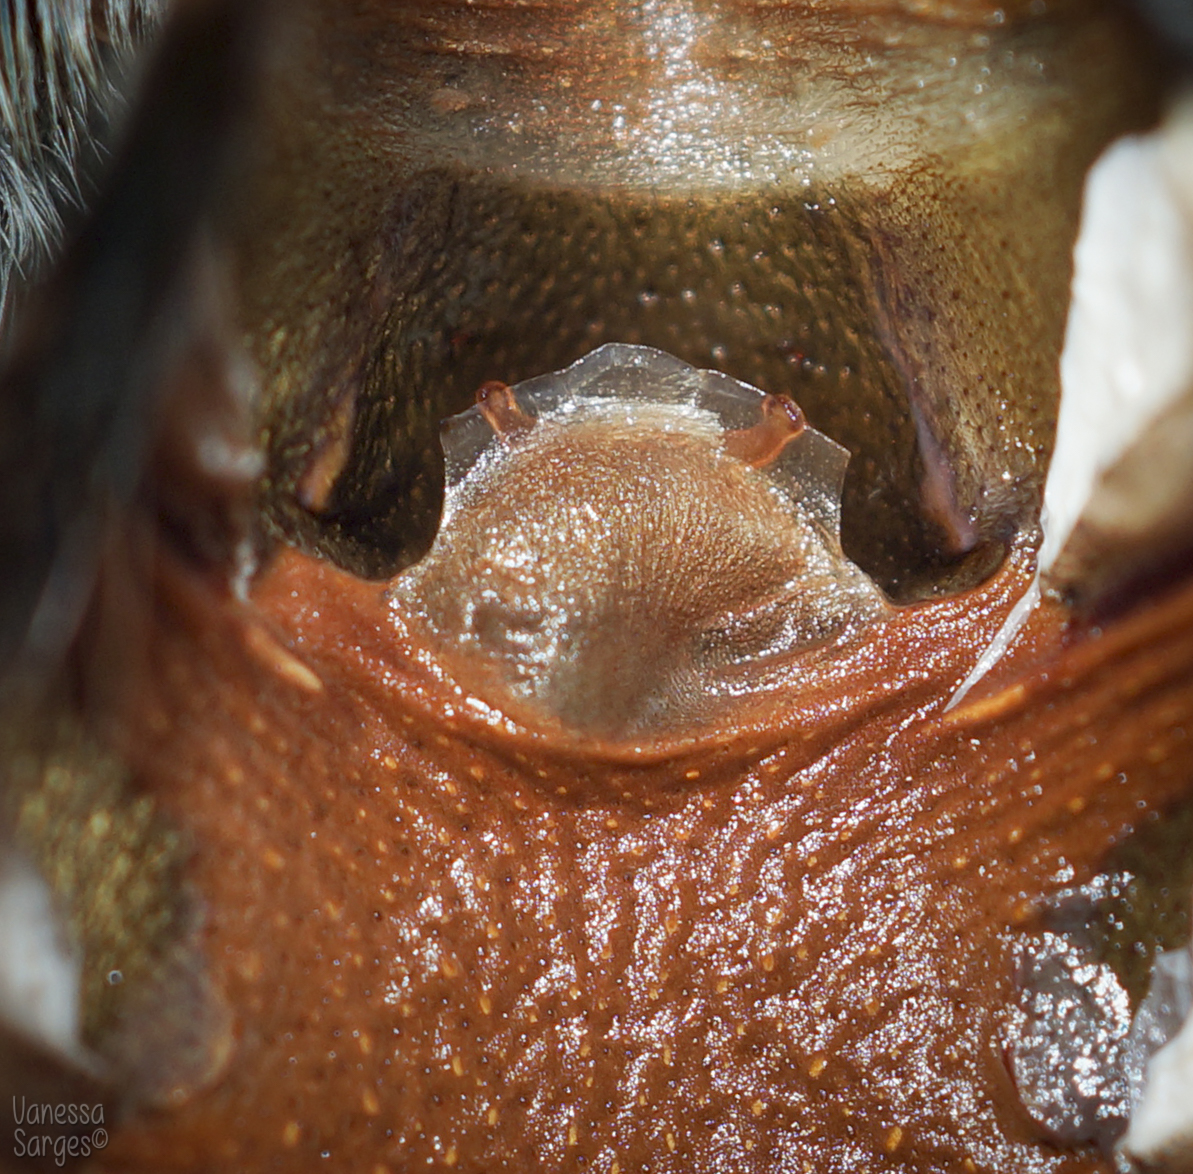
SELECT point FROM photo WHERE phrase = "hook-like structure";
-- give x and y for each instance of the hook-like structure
(499, 406)
(782, 421)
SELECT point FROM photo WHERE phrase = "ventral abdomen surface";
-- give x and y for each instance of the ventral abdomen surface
(632, 544)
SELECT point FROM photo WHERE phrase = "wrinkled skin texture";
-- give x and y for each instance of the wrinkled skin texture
(777, 943)
(782, 938)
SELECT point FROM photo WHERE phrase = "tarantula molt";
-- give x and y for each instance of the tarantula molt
(529, 636)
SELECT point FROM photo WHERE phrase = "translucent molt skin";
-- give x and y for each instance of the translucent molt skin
(608, 564)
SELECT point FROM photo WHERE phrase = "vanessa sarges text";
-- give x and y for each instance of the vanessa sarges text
(58, 1132)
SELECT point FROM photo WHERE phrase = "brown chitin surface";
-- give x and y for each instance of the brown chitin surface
(447, 947)
(867, 205)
